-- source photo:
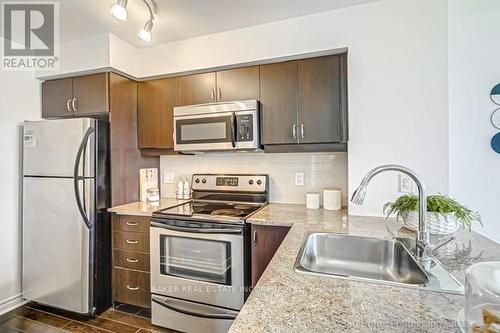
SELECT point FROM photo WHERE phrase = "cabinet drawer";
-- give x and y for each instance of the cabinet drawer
(133, 260)
(131, 241)
(131, 224)
(131, 287)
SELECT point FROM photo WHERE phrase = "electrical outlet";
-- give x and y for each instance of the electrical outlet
(299, 178)
(405, 184)
(168, 177)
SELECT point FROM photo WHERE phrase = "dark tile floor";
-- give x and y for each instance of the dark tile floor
(32, 318)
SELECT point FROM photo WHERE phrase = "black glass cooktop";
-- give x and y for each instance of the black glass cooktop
(237, 210)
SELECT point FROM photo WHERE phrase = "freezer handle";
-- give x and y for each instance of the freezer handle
(77, 178)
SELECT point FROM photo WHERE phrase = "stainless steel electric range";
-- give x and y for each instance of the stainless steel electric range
(200, 251)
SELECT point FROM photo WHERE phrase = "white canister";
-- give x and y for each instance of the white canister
(332, 198)
(312, 200)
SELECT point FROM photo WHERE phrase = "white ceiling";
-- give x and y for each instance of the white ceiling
(182, 19)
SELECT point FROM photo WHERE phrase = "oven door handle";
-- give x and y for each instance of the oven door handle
(197, 231)
(229, 315)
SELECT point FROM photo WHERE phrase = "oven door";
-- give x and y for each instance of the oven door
(205, 132)
(198, 263)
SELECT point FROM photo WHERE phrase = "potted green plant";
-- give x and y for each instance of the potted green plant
(444, 215)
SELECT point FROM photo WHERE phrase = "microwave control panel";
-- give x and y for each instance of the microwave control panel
(244, 124)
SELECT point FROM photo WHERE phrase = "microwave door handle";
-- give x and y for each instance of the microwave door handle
(229, 315)
(195, 230)
(77, 178)
(233, 129)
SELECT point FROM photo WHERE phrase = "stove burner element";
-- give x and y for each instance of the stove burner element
(227, 212)
(242, 207)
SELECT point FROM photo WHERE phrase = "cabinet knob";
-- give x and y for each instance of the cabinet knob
(67, 105)
(129, 287)
(133, 261)
(132, 224)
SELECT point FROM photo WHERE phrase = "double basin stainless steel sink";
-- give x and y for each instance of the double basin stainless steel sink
(371, 259)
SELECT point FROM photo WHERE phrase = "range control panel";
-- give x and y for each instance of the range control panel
(245, 127)
(237, 183)
(226, 181)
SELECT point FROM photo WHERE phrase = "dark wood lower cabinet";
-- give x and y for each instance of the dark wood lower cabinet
(131, 262)
(132, 287)
(265, 242)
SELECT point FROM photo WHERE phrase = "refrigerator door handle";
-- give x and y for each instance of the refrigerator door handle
(77, 178)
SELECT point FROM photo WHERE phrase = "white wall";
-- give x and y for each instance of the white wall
(320, 170)
(398, 90)
(474, 53)
(81, 55)
(19, 101)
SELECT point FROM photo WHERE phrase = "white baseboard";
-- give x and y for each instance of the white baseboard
(11, 303)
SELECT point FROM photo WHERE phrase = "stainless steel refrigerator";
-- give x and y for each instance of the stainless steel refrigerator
(66, 227)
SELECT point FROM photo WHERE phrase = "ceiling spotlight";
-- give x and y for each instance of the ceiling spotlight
(119, 10)
(146, 33)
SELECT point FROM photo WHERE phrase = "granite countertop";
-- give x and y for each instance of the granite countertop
(287, 301)
(145, 208)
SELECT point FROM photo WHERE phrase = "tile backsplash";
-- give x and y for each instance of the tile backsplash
(320, 170)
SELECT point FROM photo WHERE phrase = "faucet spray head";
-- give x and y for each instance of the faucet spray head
(359, 195)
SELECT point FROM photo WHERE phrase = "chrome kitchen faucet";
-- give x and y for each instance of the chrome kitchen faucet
(422, 241)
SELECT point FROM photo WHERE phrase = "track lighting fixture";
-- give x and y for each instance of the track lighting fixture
(146, 33)
(119, 11)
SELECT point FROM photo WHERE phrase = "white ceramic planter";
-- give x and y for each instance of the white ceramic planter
(437, 224)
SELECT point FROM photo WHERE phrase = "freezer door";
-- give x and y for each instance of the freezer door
(57, 245)
(50, 147)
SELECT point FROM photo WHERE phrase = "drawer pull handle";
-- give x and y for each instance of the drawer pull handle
(131, 241)
(132, 288)
(133, 224)
(132, 260)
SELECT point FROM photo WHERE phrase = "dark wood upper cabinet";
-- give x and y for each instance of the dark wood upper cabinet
(91, 94)
(57, 96)
(156, 102)
(279, 102)
(320, 100)
(238, 84)
(196, 89)
(265, 242)
(77, 96)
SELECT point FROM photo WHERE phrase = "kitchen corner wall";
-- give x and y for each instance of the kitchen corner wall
(320, 170)
(19, 101)
(474, 50)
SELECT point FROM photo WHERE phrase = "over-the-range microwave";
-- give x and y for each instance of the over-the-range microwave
(223, 126)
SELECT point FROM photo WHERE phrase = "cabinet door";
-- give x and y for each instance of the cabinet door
(238, 84)
(155, 113)
(56, 98)
(265, 242)
(278, 98)
(91, 94)
(319, 100)
(196, 89)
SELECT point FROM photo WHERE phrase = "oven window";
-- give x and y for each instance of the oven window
(196, 259)
(203, 130)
